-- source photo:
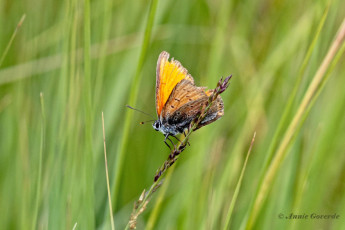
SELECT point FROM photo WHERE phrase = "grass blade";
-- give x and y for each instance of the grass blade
(132, 100)
(88, 113)
(12, 38)
(238, 186)
(39, 177)
(107, 177)
(280, 155)
(288, 107)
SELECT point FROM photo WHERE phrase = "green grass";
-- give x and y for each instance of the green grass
(86, 57)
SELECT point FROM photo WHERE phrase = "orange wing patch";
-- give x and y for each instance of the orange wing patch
(209, 92)
(168, 74)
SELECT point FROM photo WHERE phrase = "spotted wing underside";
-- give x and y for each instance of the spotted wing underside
(185, 103)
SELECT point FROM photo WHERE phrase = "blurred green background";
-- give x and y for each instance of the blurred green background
(52, 173)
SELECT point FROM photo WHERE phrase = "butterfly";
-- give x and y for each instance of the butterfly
(179, 100)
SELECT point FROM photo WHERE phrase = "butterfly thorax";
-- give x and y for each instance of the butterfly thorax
(166, 128)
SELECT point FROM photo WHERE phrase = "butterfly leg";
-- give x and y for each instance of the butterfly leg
(181, 141)
(172, 143)
(165, 141)
(177, 138)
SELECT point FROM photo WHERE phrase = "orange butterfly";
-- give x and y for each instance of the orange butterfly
(179, 100)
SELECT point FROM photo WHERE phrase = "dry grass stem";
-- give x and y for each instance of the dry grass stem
(144, 198)
(281, 151)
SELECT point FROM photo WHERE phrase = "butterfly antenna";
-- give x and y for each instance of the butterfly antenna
(144, 122)
(140, 111)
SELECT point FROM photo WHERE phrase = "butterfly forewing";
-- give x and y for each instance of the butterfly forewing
(168, 74)
(184, 92)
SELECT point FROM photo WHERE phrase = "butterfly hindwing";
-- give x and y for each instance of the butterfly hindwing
(190, 100)
(182, 117)
(214, 113)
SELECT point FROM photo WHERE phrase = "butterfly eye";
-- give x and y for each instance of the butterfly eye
(157, 125)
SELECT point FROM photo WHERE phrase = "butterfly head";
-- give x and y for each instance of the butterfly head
(157, 125)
